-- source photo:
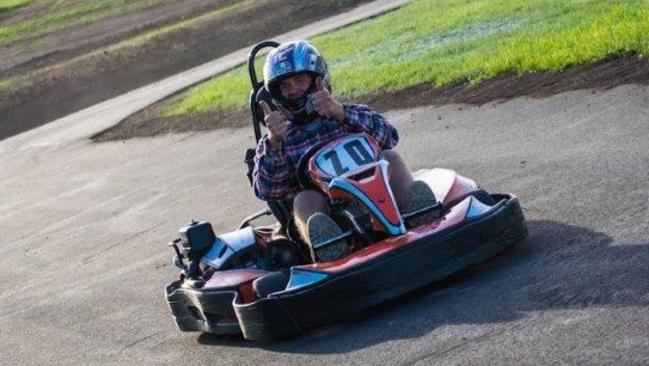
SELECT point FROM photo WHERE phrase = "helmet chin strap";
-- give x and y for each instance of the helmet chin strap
(305, 114)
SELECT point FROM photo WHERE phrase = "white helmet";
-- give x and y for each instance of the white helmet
(291, 59)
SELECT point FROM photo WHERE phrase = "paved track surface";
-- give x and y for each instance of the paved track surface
(83, 256)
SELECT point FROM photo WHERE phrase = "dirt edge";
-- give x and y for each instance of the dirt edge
(103, 76)
(613, 71)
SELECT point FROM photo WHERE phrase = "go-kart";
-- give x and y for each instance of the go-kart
(261, 282)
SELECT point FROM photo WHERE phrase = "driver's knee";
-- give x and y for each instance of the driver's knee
(305, 204)
(394, 159)
(400, 175)
(308, 202)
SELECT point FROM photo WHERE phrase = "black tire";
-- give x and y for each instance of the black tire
(269, 283)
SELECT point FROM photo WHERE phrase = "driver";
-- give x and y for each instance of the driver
(299, 83)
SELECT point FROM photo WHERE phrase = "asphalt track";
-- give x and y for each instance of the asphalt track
(83, 256)
(83, 229)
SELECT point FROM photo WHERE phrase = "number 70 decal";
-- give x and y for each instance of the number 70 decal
(345, 157)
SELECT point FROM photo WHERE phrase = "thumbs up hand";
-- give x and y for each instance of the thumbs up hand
(324, 103)
(276, 123)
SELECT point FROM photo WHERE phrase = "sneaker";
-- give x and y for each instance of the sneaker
(420, 196)
(322, 228)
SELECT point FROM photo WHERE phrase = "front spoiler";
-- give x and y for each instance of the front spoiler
(425, 260)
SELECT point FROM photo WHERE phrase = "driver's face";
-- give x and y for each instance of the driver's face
(294, 87)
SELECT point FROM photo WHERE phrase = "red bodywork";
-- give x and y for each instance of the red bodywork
(241, 279)
(369, 177)
(453, 217)
(372, 184)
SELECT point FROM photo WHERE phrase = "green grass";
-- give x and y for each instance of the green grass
(9, 5)
(60, 15)
(443, 41)
(132, 44)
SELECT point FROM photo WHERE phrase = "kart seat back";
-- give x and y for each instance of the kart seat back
(281, 209)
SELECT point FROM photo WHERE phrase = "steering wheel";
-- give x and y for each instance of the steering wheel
(303, 177)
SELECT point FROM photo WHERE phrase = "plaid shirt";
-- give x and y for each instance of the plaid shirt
(275, 176)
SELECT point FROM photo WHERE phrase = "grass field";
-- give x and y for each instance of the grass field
(443, 41)
(7, 6)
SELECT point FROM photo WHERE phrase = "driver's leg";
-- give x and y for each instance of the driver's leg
(400, 176)
(305, 204)
(411, 195)
(311, 213)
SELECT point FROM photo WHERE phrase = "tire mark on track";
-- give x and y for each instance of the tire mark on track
(139, 340)
(457, 346)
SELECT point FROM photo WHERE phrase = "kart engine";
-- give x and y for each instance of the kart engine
(203, 249)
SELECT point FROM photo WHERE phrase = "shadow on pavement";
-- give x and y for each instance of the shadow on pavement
(558, 266)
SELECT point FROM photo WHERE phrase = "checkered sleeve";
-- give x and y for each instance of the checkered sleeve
(361, 118)
(270, 176)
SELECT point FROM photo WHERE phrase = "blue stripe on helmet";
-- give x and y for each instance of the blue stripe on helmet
(300, 56)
